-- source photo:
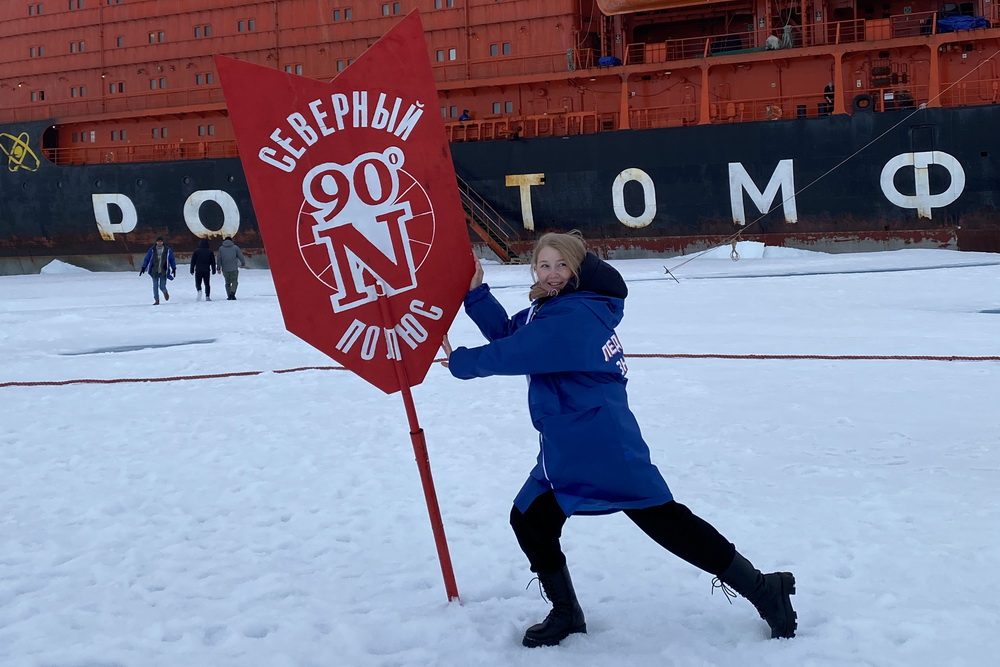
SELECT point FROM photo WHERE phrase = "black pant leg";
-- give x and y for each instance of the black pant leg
(676, 528)
(203, 277)
(538, 531)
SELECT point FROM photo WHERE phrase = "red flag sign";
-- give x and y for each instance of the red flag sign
(355, 194)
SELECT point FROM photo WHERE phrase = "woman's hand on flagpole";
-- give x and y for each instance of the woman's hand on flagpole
(446, 346)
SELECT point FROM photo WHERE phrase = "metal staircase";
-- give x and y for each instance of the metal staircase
(487, 224)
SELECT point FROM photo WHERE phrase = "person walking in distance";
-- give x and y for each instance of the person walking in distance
(592, 459)
(159, 261)
(202, 268)
(230, 261)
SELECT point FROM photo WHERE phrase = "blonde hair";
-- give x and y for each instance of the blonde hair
(569, 244)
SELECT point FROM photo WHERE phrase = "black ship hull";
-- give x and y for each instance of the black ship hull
(865, 181)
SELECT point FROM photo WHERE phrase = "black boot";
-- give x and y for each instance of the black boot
(566, 616)
(769, 593)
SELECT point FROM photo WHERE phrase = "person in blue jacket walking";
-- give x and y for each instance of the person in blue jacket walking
(592, 458)
(159, 261)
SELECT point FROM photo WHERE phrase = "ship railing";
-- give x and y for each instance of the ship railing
(115, 103)
(791, 36)
(969, 93)
(781, 107)
(126, 153)
(550, 124)
(505, 66)
(668, 116)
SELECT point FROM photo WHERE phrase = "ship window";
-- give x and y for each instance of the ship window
(508, 107)
(156, 133)
(158, 36)
(75, 4)
(439, 55)
(116, 87)
(157, 83)
(38, 96)
(203, 31)
(345, 14)
(498, 49)
(247, 25)
(297, 69)
(76, 47)
(385, 9)
(496, 107)
(34, 10)
(453, 112)
(444, 112)
(397, 8)
(452, 54)
(340, 65)
(119, 41)
(439, 4)
(75, 137)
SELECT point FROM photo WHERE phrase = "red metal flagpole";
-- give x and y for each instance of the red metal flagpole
(423, 460)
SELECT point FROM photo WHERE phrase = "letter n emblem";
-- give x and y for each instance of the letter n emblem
(358, 262)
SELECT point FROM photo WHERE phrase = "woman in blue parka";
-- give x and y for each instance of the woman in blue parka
(592, 458)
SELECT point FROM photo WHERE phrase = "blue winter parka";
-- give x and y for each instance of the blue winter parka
(592, 454)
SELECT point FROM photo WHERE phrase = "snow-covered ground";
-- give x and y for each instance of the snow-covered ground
(277, 519)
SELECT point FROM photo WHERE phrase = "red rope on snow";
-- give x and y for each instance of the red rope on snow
(212, 376)
(850, 357)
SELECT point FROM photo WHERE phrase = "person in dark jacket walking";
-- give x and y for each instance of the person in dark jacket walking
(159, 261)
(592, 458)
(203, 268)
(230, 261)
